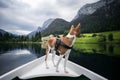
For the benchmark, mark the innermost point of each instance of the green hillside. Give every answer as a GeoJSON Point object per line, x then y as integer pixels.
{"type": "Point", "coordinates": [90, 38]}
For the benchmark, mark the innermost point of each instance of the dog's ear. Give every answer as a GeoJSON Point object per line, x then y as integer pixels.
{"type": "Point", "coordinates": [78, 30]}
{"type": "Point", "coordinates": [78, 26]}
{"type": "Point", "coordinates": [72, 29]}
{"type": "Point", "coordinates": [72, 26]}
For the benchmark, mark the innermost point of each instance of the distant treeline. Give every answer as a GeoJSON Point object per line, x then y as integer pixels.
{"type": "Point", "coordinates": [21, 38]}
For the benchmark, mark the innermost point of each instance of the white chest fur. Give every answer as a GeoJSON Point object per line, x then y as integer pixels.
{"type": "Point", "coordinates": [71, 36]}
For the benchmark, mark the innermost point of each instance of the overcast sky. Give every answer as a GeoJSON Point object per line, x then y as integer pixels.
{"type": "Point", "coordinates": [23, 16]}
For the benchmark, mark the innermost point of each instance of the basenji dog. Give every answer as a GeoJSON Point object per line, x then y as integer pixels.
{"type": "Point", "coordinates": [64, 46]}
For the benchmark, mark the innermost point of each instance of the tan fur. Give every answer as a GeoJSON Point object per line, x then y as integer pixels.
{"type": "Point", "coordinates": [68, 41]}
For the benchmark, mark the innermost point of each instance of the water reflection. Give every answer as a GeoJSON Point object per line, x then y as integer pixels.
{"type": "Point", "coordinates": [33, 48]}
{"type": "Point", "coordinates": [111, 49]}
{"type": "Point", "coordinates": [106, 49]}
{"type": "Point", "coordinates": [13, 55]}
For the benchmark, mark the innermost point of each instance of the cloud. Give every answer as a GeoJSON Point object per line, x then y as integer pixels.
{"type": "Point", "coordinates": [22, 32]}
{"type": "Point", "coordinates": [24, 16]}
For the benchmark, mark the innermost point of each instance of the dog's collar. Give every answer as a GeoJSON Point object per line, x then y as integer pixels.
{"type": "Point", "coordinates": [70, 36]}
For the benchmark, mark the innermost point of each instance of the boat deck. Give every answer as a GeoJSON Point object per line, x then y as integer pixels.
{"type": "Point", "coordinates": [41, 70]}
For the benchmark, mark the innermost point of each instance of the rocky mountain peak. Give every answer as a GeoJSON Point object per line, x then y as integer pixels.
{"type": "Point", "coordinates": [91, 8]}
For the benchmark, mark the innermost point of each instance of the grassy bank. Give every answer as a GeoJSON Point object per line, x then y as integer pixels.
{"type": "Point", "coordinates": [97, 37]}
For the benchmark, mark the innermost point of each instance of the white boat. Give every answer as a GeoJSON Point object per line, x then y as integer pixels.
{"type": "Point", "coordinates": [37, 68]}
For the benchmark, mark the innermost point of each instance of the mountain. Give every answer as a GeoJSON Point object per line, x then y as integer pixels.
{"type": "Point", "coordinates": [4, 32]}
{"type": "Point", "coordinates": [89, 9]}
{"type": "Point", "coordinates": [56, 27]}
{"type": "Point", "coordinates": [44, 26]}
{"type": "Point", "coordinates": [98, 17]}
{"type": "Point", "coordinates": [5, 36]}
{"type": "Point", "coordinates": [47, 23]}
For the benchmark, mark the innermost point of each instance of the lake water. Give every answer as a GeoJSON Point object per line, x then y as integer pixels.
{"type": "Point", "coordinates": [102, 59]}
